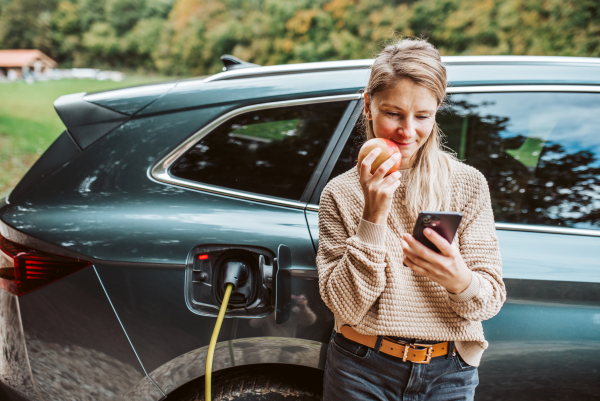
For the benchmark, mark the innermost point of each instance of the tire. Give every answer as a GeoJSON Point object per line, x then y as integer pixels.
{"type": "Point", "coordinates": [262, 385]}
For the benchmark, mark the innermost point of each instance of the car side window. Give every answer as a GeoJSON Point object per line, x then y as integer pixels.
{"type": "Point", "coordinates": [349, 156]}
{"type": "Point", "coordinates": [269, 152]}
{"type": "Point", "coordinates": [540, 153]}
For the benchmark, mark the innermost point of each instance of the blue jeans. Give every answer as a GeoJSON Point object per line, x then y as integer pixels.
{"type": "Point", "coordinates": [356, 372]}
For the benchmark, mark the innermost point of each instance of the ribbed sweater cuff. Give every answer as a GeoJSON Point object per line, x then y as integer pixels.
{"type": "Point", "coordinates": [468, 294]}
{"type": "Point", "coordinates": [371, 233]}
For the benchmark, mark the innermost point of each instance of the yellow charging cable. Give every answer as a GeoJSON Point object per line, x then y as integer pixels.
{"type": "Point", "coordinates": [213, 343]}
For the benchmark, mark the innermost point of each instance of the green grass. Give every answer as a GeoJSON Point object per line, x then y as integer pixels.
{"type": "Point", "coordinates": [29, 123]}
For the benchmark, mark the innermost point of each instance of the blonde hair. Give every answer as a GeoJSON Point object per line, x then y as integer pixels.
{"type": "Point", "coordinates": [418, 60]}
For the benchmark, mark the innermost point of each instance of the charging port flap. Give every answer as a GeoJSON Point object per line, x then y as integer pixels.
{"type": "Point", "coordinates": [283, 284]}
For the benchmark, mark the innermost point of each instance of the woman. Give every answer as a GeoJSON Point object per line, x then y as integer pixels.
{"type": "Point", "coordinates": [407, 319]}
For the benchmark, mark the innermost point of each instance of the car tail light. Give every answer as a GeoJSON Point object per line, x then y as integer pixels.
{"type": "Point", "coordinates": [23, 269]}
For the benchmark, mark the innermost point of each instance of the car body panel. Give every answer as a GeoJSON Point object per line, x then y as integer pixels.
{"type": "Point", "coordinates": [153, 310]}
{"type": "Point", "coordinates": [542, 339]}
{"type": "Point", "coordinates": [15, 371]}
{"type": "Point", "coordinates": [76, 346]}
{"type": "Point", "coordinates": [144, 390]}
{"type": "Point", "coordinates": [60, 152]}
{"type": "Point", "coordinates": [541, 256]}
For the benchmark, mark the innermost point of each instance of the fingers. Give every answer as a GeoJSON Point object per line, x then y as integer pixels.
{"type": "Point", "coordinates": [411, 260]}
{"type": "Point", "coordinates": [365, 166]}
{"type": "Point", "coordinates": [392, 179]}
{"type": "Point", "coordinates": [415, 267]}
{"type": "Point", "coordinates": [386, 166]}
{"type": "Point", "coordinates": [443, 245]}
{"type": "Point", "coordinates": [414, 257]}
{"type": "Point", "coordinates": [419, 250]}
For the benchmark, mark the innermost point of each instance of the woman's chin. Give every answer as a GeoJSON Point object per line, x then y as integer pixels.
{"type": "Point", "coordinates": [406, 154]}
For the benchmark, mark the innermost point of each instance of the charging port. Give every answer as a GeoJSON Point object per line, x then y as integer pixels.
{"type": "Point", "coordinates": [248, 268]}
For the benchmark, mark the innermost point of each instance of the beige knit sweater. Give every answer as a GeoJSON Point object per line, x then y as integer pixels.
{"type": "Point", "coordinates": [363, 281]}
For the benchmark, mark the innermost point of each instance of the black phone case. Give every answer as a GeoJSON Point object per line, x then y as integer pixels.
{"type": "Point", "coordinates": [444, 223]}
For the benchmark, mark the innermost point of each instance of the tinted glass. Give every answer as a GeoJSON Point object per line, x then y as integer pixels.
{"type": "Point", "coordinates": [269, 152]}
{"type": "Point", "coordinates": [540, 153]}
{"type": "Point", "coordinates": [349, 156]}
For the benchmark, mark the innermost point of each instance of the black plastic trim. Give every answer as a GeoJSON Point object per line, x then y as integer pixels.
{"type": "Point", "coordinates": [87, 122]}
{"type": "Point", "coordinates": [314, 179]}
{"type": "Point", "coordinates": [316, 194]}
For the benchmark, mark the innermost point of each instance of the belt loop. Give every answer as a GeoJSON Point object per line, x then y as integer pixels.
{"type": "Point", "coordinates": [450, 349]}
{"type": "Point", "coordinates": [378, 344]}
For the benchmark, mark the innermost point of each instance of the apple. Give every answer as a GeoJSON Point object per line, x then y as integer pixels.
{"type": "Point", "coordinates": [388, 148]}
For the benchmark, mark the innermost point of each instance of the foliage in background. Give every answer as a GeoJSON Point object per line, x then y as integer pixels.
{"type": "Point", "coordinates": [186, 37]}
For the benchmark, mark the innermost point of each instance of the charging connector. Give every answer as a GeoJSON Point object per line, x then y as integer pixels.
{"type": "Point", "coordinates": [235, 275]}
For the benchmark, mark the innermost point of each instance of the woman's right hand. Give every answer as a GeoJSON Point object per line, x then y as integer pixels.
{"type": "Point", "coordinates": [378, 189]}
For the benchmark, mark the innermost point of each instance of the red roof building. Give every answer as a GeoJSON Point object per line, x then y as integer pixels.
{"type": "Point", "coordinates": [24, 60]}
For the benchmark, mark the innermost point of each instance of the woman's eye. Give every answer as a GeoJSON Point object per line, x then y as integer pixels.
{"type": "Point", "coordinates": [393, 114]}
{"type": "Point", "coordinates": [422, 117]}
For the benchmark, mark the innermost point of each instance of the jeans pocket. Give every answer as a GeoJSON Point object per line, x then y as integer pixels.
{"type": "Point", "coordinates": [462, 365]}
{"type": "Point", "coordinates": [349, 347]}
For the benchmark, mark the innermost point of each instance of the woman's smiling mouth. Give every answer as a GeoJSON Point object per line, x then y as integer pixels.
{"type": "Point", "coordinates": [403, 144]}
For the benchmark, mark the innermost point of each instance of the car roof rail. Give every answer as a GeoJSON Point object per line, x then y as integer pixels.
{"type": "Point", "coordinates": [233, 63]}
{"type": "Point", "coordinates": [322, 66]}
{"type": "Point", "coordinates": [283, 69]}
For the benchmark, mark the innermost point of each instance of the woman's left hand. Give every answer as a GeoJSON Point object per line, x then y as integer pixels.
{"type": "Point", "coordinates": [446, 268]}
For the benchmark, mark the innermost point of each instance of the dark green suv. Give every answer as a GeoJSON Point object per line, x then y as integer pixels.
{"type": "Point", "coordinates": [114, 243]}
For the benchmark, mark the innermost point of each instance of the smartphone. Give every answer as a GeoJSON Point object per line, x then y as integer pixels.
{"type": "Point", "coordinates": [444, 223]}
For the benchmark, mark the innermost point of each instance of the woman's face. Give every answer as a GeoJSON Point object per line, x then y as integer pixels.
{"type": "Point", "coordinates": [404, 114]}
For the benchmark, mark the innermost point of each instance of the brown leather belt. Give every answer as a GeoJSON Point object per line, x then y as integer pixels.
{"type": "Point", "coordinates": [415, 353]}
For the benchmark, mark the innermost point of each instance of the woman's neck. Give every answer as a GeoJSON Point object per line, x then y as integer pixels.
{"type": "Point", "coordinates": [405, 174]}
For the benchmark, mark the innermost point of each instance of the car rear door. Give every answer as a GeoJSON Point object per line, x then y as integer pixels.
{"type": "Point", "coordinates": [540, 152]}
{"type": "Point", "coordinates": [240, 184]}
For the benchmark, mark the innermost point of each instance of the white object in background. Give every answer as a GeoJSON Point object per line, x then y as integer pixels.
{"type": "Point", "coordinates": [84, 73]}
{"type": "Point", "coordinates": [12, 75]}
{"type": "Point", "coordinates": [114, 76]}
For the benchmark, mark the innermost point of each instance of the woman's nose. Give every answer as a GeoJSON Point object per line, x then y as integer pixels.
{"type": "Point", "coordinates": [407, 128]}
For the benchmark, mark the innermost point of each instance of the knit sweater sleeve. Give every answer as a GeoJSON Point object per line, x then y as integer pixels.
{"type": "Point", "coordinates": [480, 250]}
{"type": "Point", "coordinates": [351, 267]}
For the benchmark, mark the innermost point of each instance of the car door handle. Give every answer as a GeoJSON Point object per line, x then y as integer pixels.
{"type": "Point", "coordinates": [283, 284]}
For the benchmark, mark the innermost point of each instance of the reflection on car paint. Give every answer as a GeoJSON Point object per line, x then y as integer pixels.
{"type": "Point", "coordinates": [14, 364]}
{"type": "Point", "coordinates": [75, 344]}
{"type": "Point", "coordinates": [246, 351]}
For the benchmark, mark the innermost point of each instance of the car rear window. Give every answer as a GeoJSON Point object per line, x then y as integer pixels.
{"type": "Point", "coordinates": [540, 153]}
{"type": "Point", "coordinates": [269, 152]}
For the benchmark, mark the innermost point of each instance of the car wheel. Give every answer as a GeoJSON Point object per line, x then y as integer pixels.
{"type": "Point", "coordinates": [263, 385]}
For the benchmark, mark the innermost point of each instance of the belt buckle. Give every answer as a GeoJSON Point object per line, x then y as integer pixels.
{"type": "Point", "coordinates": [428, 354]}
{"type": "Point", "coordinates": [406, 345]}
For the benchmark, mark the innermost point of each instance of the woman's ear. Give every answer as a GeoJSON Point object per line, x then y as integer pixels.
{"type": "Point", "coordinates": [367, 105]}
